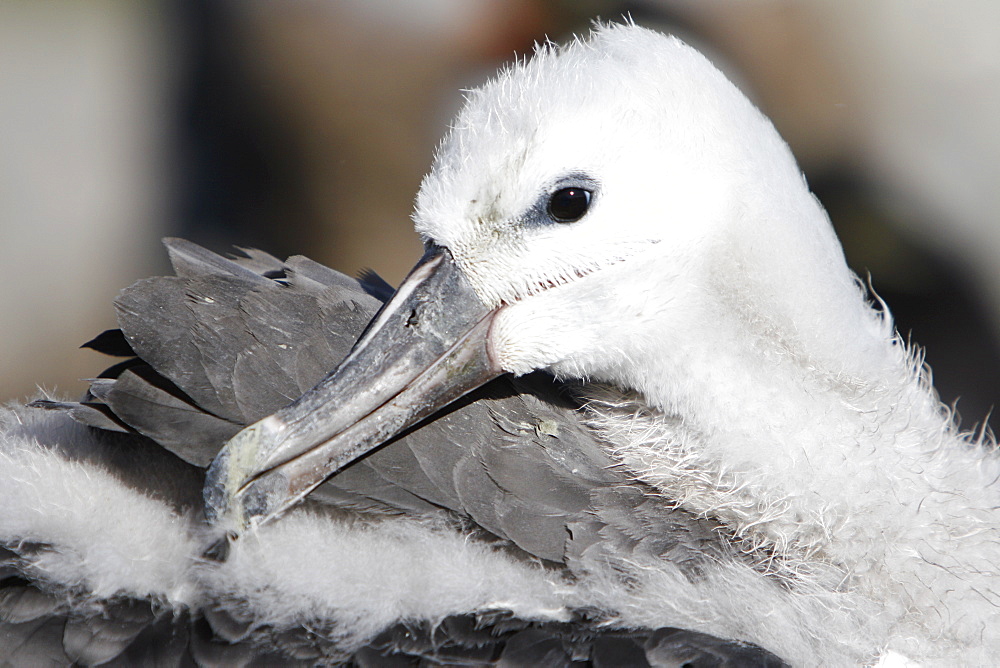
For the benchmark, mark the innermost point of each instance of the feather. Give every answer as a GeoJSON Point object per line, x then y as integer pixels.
{"type": "Point", "coordinates": [513, 461]}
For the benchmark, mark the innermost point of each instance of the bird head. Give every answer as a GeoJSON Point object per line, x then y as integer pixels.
{"type": "Point", "coordinates": [587, 201]}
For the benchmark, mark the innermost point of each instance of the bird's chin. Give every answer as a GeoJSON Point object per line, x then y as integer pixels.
{"type": "Point", "coordinates": [522, 339]}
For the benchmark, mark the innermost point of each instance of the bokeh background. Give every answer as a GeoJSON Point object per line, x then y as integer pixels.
{"type": "Point", "coordinates": [304, 126]}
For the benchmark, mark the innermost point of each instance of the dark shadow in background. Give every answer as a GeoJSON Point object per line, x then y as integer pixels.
{"type": "Point", "coordinates": [930, 296]}
{"type": "Point", "coordinates": [239, 174]}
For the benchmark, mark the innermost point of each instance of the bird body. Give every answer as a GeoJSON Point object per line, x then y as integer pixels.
{"type": "Point", "coordinates": [770, 395]}
{"type": "Point", "coordinates": [458, 541]}
{"type": "Point", "coordinates": [738, 443]}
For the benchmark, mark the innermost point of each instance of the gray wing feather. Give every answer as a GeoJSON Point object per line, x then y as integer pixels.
{"type": "Point", "coordinates": [160, 328]}
{"type": "Point", "coordinates": [513, 459]}
{"type": "Point", "coordinates": [191, 260]}
{"type": "Point", "coordinates": [110, 342]}
{"type": "Point", "coordinates": [92, 414]}
{"type": "Point", "coordinates": [174, 423]}
{"type": "Point", "coordinates": [94, 640]}
{"type": "Point", "coordinates": [230, 340]}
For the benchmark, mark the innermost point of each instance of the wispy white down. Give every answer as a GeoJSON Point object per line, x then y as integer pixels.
{"type": "Point", "coordinates": [110, 539]}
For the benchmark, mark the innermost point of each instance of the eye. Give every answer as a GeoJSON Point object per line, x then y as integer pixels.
{"type": "Point", "coordinates": [568, 205]}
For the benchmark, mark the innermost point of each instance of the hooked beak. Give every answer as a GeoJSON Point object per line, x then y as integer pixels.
{"type": "Point", "coordinates": [428, 346]}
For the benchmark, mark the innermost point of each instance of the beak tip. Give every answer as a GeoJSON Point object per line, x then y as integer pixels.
{"type": "Point", "coordinates": [240, 490]}
{"type": "Point", "coordinates": [235, 489]}
{"type": "Point", "coordinates": [428, 346]}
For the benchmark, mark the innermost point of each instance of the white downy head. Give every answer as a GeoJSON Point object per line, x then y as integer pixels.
{"type": "Point", "coordinates": [698, 215]}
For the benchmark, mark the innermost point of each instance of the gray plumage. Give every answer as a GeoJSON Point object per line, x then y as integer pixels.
{"type": "Point", "coordinates": [226, 342]}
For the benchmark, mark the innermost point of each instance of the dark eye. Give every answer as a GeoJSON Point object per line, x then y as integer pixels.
{"type": "Point", "coordinates": [568, 205]}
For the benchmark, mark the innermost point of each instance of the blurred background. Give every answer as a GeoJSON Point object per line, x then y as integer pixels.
{"type": "Point", "coordinates": [304, 126]}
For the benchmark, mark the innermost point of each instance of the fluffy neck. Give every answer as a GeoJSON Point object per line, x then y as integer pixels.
{"type": "Point", "coordinates": [807, 428]}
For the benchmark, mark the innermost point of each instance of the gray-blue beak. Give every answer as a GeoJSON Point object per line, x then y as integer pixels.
{"type": "Point", "coordinates": [428, 346]}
